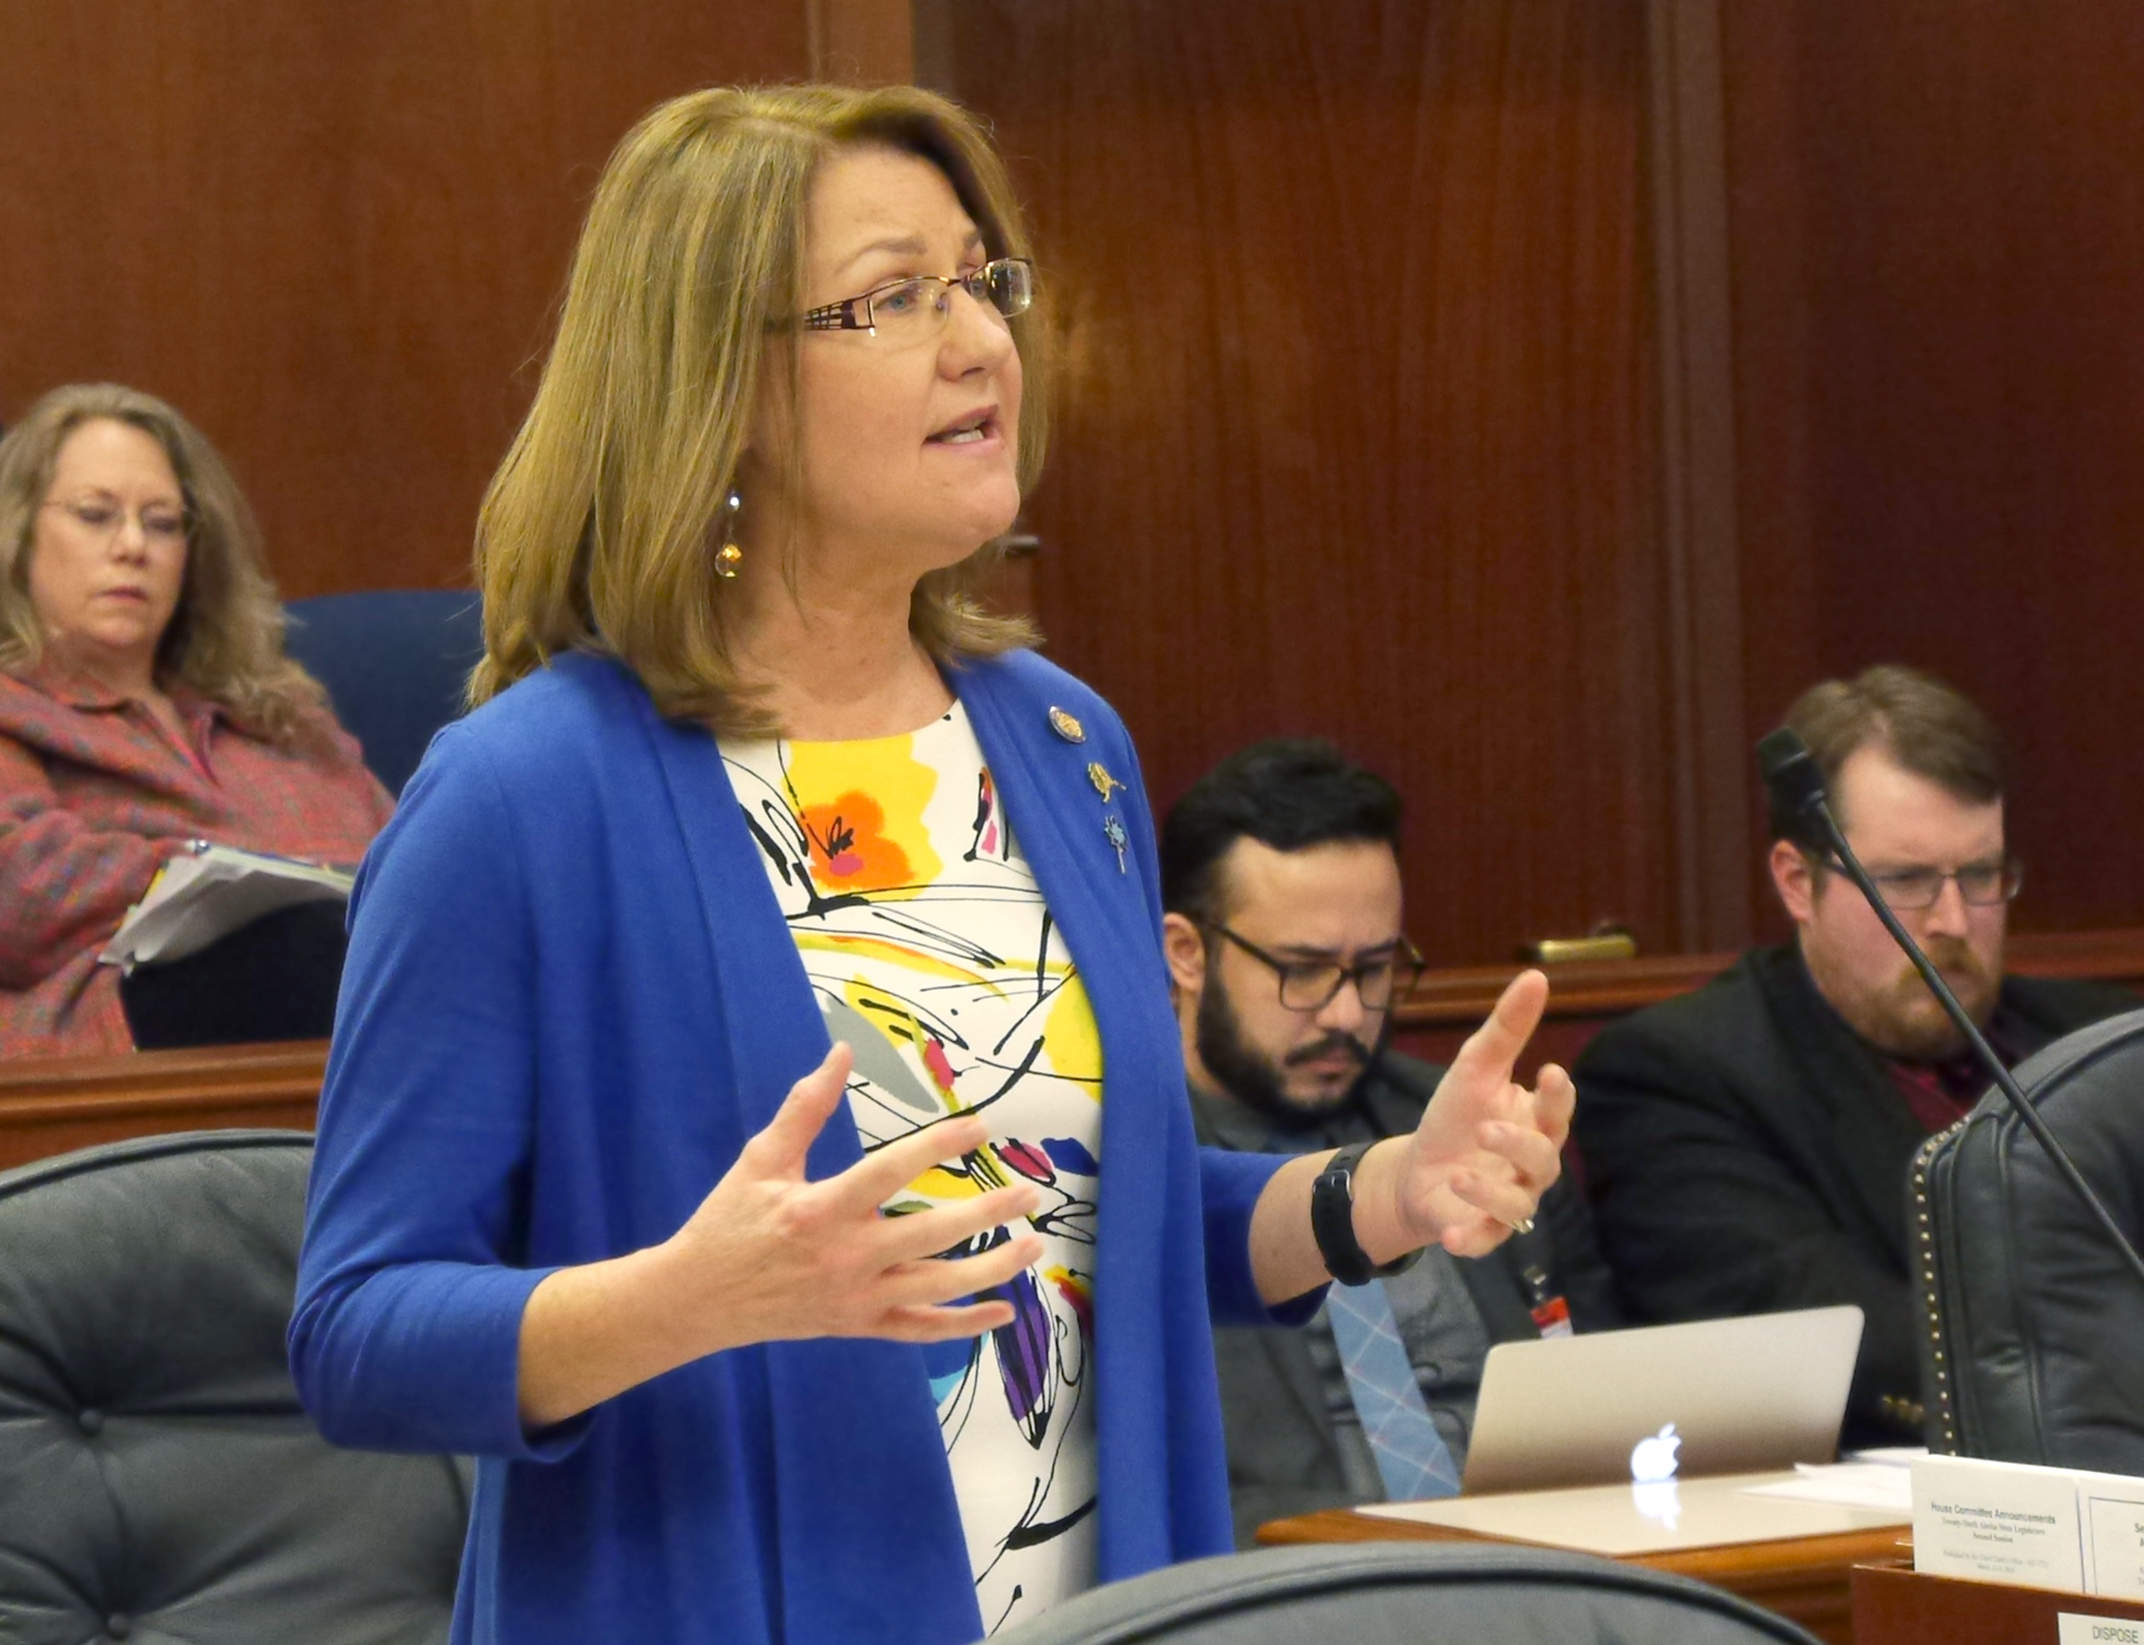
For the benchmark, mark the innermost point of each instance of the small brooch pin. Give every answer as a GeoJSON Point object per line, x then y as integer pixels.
{"type": "Point", "coordinates": [1113, 831]}
{"type": "Point", "coordinates": [1067, 727]}
{"type": "Point", "coordinates": [1104, 784]}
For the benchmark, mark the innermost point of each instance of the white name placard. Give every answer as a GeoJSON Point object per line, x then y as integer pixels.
{"type": "Point", "coordinates": [1997, 1521]}
{"type": "Point", "coordinates": [2072, 1629]}
{"type": "Point", "coordinates": [2113, 1507]}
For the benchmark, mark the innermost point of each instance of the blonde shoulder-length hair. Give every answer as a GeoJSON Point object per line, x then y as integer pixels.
{"type": "Point", "coordinates": [225, 639]}
{"type": "Point", "coordinates": [599, 528]}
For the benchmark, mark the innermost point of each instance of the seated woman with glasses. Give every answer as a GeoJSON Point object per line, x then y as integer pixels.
{"type": "Point", "coordinates": [756, 1128]}
{"type": "Point", "coordinates": [146, 703]}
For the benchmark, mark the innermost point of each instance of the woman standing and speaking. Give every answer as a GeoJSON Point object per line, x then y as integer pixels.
{"type": "Point", "coordinates": [759, 1340]}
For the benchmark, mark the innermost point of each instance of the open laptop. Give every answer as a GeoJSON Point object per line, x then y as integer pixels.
{"type": "Point", "coordinates": [1717, 1396]}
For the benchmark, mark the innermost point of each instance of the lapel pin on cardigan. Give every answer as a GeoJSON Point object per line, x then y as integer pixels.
{"type": "Point", "coordinates": [1153, 1346]}
{"type": "Point", "coordinates": [1113, 831]}
{"type": "Point", "coordinates": [1067, 727]}
{"type": "Point", "coordinates": [1112, 825]}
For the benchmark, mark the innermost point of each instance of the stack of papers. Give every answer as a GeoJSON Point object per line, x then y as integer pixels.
{"type": "Point", "coordinates": [211, 891]}
{"type": "Point", "coordinates": [1866, 1479]}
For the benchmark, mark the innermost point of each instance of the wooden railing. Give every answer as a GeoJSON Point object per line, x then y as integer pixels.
{"type": "Point", "coordinates": [1602, 989]}
{"type": "Point", "coordinates": [1583, 996]}
{"type": "Point", "coordinates": [51, 1105]}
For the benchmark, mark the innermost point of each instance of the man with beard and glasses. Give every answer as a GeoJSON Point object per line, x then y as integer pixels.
{"type": "Point", "coordinates": [1746, 1146]}
{"type": "Point", "coordinates": [1281, 881]}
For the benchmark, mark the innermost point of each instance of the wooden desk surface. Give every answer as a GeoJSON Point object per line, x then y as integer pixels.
{"type": "Point", "coordinates": [1807, 1580]}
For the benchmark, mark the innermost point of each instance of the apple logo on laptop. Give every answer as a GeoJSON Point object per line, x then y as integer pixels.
{"type": "Point", "coordinates": [1652, 1459]}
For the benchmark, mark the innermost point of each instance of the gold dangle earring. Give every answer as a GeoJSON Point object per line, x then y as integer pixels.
{"type": "Point", "coordinates": [729, 556]}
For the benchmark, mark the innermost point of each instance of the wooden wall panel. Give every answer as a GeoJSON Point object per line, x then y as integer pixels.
{"type": "Point", "coordinates": [334, 234]}
{"type": "Point", "coordinates": [1356, 430]}
{"type": "Point", "coordinates": [1694, 344]}
{"type": "Point", "coordinates": [1937, 231]}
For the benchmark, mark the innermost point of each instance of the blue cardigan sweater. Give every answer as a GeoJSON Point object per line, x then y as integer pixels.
{"type": "Point", "coordinates": [570, 998]}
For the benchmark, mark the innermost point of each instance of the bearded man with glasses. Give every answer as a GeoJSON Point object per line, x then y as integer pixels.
{"type": "Point", "coordinates": [1280, 877]}
{"type": "Point", "coordinates": [1746, 1146]}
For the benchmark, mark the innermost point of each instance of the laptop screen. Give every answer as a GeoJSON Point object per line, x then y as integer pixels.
{"type": "Point", "coordinates": [1718, 1396]}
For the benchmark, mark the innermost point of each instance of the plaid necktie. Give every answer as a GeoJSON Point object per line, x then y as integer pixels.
{"type": "Point", "coordinates": [1412, 1458]}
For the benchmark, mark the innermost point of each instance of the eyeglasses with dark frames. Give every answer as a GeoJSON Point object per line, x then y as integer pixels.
{"type": "Point", "coordinates": [916, 306]}
{"type": "Point", "coordinates": [1311, 985]}
{"type": "Point", "coordinates": [1909, 890]}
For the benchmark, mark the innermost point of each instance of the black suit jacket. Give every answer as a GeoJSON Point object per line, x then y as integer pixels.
{"type": "Point", "coordinates": [1746, 1152]}
{"type": "Point", "coordinates": [1283, 1455]}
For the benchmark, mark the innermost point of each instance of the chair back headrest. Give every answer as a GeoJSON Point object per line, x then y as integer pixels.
{"type": "Point", "coordinates": [156, 1470]}
{"type": "Point", "coordinates": [394, 662]}
{"type": "Point", "coordinates": [2032, 1326]}
{"type": "Point", "coordinates": [1398, 1593]}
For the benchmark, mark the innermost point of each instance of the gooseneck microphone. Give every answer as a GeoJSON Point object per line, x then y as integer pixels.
{"type": "Point", "coordinates": [1796, 787]}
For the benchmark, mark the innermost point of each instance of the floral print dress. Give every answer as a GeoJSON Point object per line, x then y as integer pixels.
{"type": "Point", "coordinates": [933, 954]}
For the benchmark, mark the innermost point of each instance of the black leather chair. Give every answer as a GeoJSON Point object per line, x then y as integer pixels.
{"type": "Point", "coordinates": [158, 1480]}
{"type": "Point", "coordinates": [2032, 1347]}
{"type": "Point", "coordinates": [394, 662]}
{"type": "Point", "coordinates": [1397, 1593]}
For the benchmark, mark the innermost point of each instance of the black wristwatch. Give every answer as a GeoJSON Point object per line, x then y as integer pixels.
{"type": "Point", "coordinates": [1332, 1220]}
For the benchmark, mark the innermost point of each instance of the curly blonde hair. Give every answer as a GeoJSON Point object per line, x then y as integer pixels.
{"type": "Point", "coordinates": [596, 531]}
{"type": "Point", "coordinates": [225, 639]}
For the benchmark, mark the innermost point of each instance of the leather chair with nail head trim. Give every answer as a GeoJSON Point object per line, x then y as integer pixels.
{"type": "Point", "coordinates": [157, 1477]}
{"type": "Point", "coordinates": [1399, 1593]}
{"type": "Point", "coordinates": [2032, 1338]}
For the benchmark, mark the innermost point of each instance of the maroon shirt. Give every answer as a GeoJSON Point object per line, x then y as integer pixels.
{"type": "Point", "coordinates": [95, 796]}
{"type": "Point", "coordinates": [1943, 1093]}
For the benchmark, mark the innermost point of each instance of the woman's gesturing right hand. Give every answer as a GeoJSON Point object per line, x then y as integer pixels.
{"type": "Point", "coordinates": [772, 1256]}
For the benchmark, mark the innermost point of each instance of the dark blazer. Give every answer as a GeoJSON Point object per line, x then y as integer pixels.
{"type": "Point", "coordinates": [1283, 1455]}
{"type": "Point", "coordinates": [1746, 1152]}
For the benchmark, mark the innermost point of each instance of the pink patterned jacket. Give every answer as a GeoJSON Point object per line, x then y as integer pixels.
{"type": "Point", "coordinates": [95, 795]}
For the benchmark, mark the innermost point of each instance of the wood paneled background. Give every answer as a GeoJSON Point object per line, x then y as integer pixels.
{"type": "Point", "coordinates": [1355, 429]}
{"type": "Point", "coordinates": [1367, 428]}
{"type": "Point", "coordinates": [332, 235]}
{"type": "Point", "coordinates": [1937, 231]}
